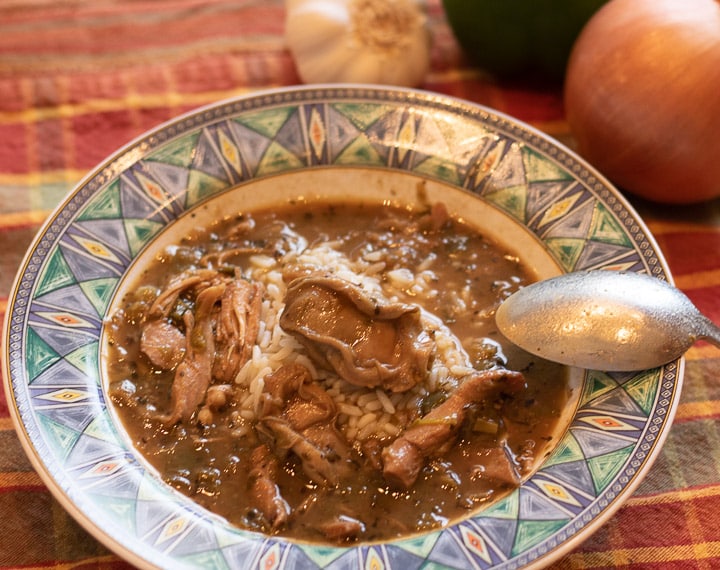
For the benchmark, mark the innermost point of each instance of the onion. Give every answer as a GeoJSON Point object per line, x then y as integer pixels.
{"type": "Point", "coordinates": [642, 97]}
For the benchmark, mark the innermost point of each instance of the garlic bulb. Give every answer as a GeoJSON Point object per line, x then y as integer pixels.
{"type": "Point", "coordinates": [358, 41]}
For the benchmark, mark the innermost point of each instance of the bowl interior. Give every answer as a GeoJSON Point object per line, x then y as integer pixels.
{"type": "Point", "coordinates": [334, 186]}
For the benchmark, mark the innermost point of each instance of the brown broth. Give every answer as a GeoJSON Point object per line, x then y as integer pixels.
{"type": "Point", "coordinates": [211, 463]}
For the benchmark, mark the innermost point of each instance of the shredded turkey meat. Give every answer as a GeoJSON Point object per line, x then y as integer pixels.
{"type": "Point", "coordinates": [237, 327]}
{"type": "Point", "coordinates": [264, 491]}
{"type": "Point", "coordinates": [194, 373]}
{"type": "Point", "coordinates": [216, 339]}
{"type": "Point", "coordinates": [300, 416]}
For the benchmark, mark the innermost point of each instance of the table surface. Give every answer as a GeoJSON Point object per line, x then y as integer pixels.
{"type": "Point", "coordinates": [79, 79]}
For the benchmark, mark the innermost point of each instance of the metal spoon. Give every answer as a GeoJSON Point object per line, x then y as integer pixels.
{"type": "Point", "coordinates": [604, 320]}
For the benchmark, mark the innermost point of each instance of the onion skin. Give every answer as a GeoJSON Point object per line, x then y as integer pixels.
{"type": "Point", "coordinates": [642, 97]}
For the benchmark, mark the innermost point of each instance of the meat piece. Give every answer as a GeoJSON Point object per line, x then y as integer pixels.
{"type": "Point", "coordinates": [237, 327]}
{"type": "Point", "coordinates": [301, 418]}
{"type": "Point", "coordinates": [162, 306]}
{"type": "Point", "coordinates": [281, 384]}
{"type": "Point", "coordinates": [271, 238]}
{"type": "Point", "coordinates": [371, 450]}
{"type": "Point", "coordinates": [436, 218]}
{"type": "Point", "coordinates": [219, 335]}
{"type": "Point", "coordinates": [404, 458]}
{"type": "Point", "coordinates": [402, 462]}
{"type": "Point", "coordinates": [292, 271]}
{"type": "Point", "coordinates": [325, 459]}
{"type": "Point", "coordinates": [163, 344]}
{"type": "Point", "coordinates": [263, 492]}
{"type": "Point", "coordinates": [342, 528]}
{"type": "Point", "coordinates": [291, 392]}
{"type": "Point", "coordinates": [498, 467]}
{"type": "Point", "coordinates": [367, 341]}
{"type": "Point", "coordinates": [194, 374]}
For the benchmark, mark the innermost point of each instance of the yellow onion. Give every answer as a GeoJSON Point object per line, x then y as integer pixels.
{"type": "Point", "coordinates": [642, 97]}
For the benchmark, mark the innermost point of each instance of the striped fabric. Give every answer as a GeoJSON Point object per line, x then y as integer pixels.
{"type": "Point", "coordinates": [81, 78]}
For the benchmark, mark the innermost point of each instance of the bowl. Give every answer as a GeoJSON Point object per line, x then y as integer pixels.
{"type": "Point", "coordinates": [523, 189]}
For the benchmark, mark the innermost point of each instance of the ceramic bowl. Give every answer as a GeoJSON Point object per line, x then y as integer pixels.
{"type": "Point", "coordinates": [521, 187]}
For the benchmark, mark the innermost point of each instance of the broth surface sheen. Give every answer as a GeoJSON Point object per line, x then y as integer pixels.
{"type": "Point", "coordinates": [332, 373]}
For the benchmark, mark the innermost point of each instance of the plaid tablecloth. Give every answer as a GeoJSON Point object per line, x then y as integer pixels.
{"type": "Point", "coordinates": [80, 78]}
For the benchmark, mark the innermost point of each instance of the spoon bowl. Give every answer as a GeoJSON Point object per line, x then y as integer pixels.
{"type": "Point", "coordinates": [604, 320]}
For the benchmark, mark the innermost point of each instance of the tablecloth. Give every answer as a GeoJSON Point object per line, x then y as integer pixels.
{"type": "Point", "coordinates": [81, 78]}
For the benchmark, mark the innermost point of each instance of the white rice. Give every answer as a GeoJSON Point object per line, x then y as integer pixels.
{"type": "Point", "coordinates": [362, 412]}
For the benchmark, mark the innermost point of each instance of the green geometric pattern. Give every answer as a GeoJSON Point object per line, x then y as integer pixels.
{"type": "Point", "coordinates": [75, 267]}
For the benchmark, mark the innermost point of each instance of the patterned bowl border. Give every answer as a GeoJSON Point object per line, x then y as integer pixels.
{"type": "Point", "coordinates": [66, 282]}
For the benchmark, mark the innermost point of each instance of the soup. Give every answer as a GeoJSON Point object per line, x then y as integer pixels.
{"type": "Point", "coordinates": [332, 373]}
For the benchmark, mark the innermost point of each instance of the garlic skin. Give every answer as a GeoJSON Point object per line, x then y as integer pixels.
{"type": "Point", "coordinates": [359, 41]}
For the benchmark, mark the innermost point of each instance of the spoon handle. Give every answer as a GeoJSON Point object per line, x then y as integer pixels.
{"type": "Point", "coordinates": [709, 331]}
